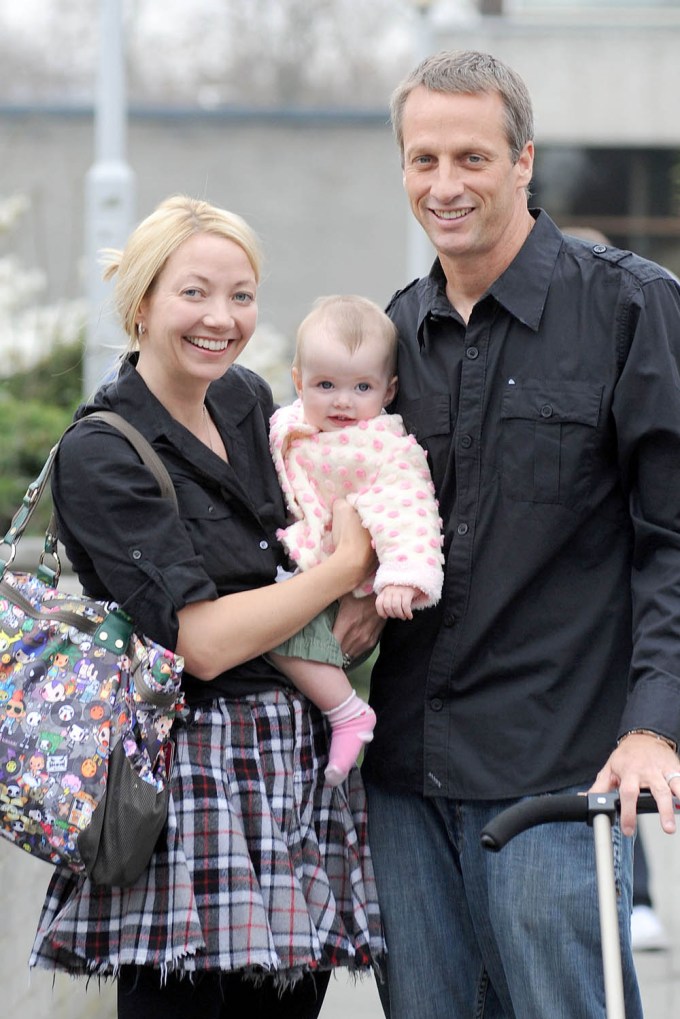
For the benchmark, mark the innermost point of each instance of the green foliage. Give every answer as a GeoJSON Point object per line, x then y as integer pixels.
{"type": "Point", "coordinates": [35, 408]}
{"type": "Point", "coordinates": [57, 381]}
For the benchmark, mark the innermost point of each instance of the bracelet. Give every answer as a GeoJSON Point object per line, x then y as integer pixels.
{"type": "Point", "coordinates": [649, 732]}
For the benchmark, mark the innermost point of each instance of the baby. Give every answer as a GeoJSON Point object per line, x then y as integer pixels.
{"type": "Point", "coordinates": [336, 441]}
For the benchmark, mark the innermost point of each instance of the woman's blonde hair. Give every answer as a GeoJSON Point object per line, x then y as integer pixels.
{"type": "Point", "coordinates": [156, 238]}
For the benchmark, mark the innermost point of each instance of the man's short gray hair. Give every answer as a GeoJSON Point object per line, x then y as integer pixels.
{"type": "Point", "coordinates": [467, 72]}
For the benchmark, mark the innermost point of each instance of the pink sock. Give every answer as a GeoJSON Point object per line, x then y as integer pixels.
{"type": "Point", "coordinates": [352, 724]}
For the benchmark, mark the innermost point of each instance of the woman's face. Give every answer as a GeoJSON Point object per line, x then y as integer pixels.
{"type": "Point", "coordinates": [200, 313]}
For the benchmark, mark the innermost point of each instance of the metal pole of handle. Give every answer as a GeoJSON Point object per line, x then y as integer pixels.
{"type": "Point", "coordinates": [609, 917]}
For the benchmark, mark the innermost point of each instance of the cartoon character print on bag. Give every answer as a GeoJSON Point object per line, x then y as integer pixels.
{"type": "Point", "coordinates": [64, 701]}
{"type": "Point", "coordinates": [55, 756]}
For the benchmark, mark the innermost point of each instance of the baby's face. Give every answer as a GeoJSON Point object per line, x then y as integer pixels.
{"type": "Point", "coordinates": [339, 388]}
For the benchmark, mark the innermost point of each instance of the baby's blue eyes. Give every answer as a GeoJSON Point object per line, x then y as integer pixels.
{"type": "Point", "coordinates": [362, 387]}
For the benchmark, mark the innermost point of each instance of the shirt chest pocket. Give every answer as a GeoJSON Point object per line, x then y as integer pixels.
{"type": "Point", "coordinates": [195, 504]}
{"type": "Point", "coordinates": [549, 436]}
{"type": "Point", "coordinates": [208, 520]}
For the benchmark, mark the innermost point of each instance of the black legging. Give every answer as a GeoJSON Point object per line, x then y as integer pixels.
{"type": "Point", "coordinates": [215, 996]}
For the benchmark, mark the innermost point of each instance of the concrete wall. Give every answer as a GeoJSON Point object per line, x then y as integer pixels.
{"type": "Point", "coordinates": [324, 196]}
{"type": "Point", "coordinates": [596, 78]}
{"type": "Point", "coordinates": [325, 192]}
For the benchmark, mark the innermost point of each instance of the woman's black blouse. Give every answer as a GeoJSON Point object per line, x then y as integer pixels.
{"type": "Point", "coordinates": [128, 544]}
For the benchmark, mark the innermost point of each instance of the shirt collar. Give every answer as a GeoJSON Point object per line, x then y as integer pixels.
{"type": "Point", "coordinates": [229, 398]}
{"type": "Point", "coordinates": [522, 289]}
{"type": "Point", "coordinates": [130, 397]}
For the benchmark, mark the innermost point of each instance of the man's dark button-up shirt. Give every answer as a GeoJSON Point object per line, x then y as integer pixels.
{"type": "Point", "coordinates": [552, 426]}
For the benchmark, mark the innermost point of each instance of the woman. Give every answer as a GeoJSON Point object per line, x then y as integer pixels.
{"type": "Point", "coordinates": [264, 883]}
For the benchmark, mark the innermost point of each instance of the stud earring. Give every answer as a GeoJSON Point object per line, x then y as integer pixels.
{"type": "Point", "coordinates": [141, 328]}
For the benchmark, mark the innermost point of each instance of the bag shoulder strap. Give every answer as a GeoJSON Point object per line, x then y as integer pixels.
{"type": "Point", "coordinates": [147, 455]}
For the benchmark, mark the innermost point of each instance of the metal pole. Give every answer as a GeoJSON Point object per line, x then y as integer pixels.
{"type": "Point", "coordinates": [109, 197]}
{"type": "Point", "coordinates": [609, 919]}
{"type": "Point", "coordinates": [420, 253]}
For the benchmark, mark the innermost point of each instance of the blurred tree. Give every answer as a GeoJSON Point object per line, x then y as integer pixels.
{"type": "Point", "coordinates": [35, 408]}
{"type": "Point", "coordinates": [41, 350]}
{"type": "Point", "coordinates": [213, 52]}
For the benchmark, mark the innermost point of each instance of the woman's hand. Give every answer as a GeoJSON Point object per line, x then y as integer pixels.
{"type": "Point", "coordinates": [218, 635]}
{"type": "Point", "coordinates": [352, 542]}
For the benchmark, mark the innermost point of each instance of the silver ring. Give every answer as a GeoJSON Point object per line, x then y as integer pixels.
{"type": "Point", "coordinates": [671, 775]}
{"type": "Point", "coordinates": [347, 661]}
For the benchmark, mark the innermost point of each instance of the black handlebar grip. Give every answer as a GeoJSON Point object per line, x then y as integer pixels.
{"type": "Point", "coordinates": [529, 813]}
{"type": "Point", "coordinates": [560, 807]}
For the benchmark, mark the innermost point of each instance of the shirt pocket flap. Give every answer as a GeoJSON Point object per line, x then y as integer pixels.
{"type": "Point", "coordinates": [197, 504]}
{"type": "Point", "coordinates": [553, 402]}
{"type": "Point", "coordinates": [425, 418]}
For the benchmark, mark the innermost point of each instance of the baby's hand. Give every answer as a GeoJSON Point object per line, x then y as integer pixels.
{"type": "Point", "coordinates": [394, 602]}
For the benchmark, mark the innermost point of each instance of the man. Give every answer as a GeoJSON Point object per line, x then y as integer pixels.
{"type": "Point", "coordinates": [542, 375]}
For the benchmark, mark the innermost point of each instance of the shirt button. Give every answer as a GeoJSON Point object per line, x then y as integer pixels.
{"type": "Point", "coordinates": [546, 411]}
{"type": "Point", "coordinates": [449, 619]}
{"type": "Point", "coordinates": [264, 544]}
{"type": "Point", "coordinates": [462, 528]}
{"type": "Point", "coordinates": [436, 703]}
{"type": "Point", "coordinates": [211, 509]}
{"type": "Point", "coordinates": [466, 441]}
{"type": "Point", "coordinates": [472, 353]}
{"type": "Point", "coordinates": [136, 554]}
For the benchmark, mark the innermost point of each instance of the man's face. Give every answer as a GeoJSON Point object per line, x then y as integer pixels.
{"type": "Point", "coordinates": [462, 185]}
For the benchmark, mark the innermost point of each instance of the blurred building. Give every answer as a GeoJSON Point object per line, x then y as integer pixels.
{"type": "Point", "coordinates": [604, 76]}
{"type": "Point", "coordinates": [323, 187]}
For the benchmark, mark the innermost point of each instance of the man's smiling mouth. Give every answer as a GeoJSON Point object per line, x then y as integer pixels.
{"type": "Point", "coordinates": [450, 213]}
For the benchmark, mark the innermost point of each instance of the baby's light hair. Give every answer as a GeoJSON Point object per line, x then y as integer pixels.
{"type": "Point", "coordinates": [355, 320]}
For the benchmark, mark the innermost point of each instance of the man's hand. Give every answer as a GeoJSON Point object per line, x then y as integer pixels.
{"type": "Point", "coordinates": [641, 761]}
{"type": "Point", "coordinates": [357, 626]}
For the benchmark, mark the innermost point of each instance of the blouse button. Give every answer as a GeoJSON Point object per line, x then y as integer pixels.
{"type": "Point", "coordinates": [264, 544]}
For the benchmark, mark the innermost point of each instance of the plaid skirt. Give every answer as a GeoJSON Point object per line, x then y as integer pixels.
{"type": "Point", "coordinates": [265, 869]}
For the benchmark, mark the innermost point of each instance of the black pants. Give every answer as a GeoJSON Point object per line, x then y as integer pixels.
{"type": "Point", "coordinates": [215, 996]}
